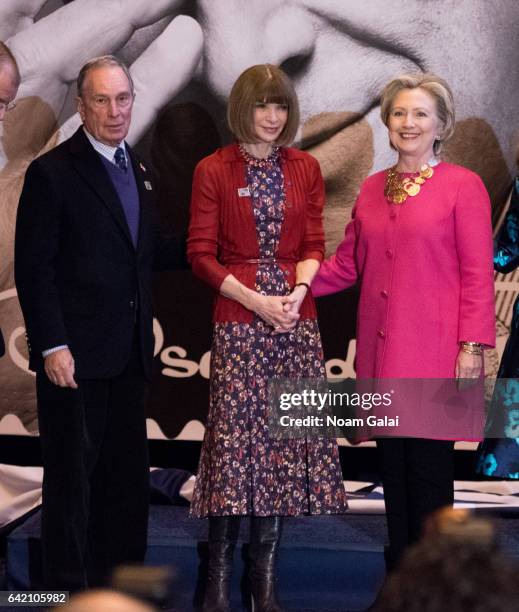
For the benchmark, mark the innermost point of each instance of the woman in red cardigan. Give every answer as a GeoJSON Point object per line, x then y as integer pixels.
{"type": "Point", "coordinates": [256, 237]}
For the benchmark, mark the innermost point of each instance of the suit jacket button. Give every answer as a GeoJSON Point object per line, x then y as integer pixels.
{"type": "Point", "coordinates": [132, 304]}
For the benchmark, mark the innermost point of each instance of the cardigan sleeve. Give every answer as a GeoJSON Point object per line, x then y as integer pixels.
{"type": "Point", "coordinates": [339, 271]}
{"type": "Point", "coordinates": [506, 252]}
{"type": "Point", "coordinates": [313, 241]}
{"type": "Point", "coordinates": [473, 234]}
{"type": "Point", "coordinates": [202, 244]}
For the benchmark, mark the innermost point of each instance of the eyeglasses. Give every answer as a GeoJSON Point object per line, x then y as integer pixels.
{"type": "Point", "coordinates": [5, 107]}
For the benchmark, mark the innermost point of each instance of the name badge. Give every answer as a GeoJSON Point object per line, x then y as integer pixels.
{"type": "Point", "coordinates": [243, 192]}
{"type": "Point", "coordinates": [148, 186]}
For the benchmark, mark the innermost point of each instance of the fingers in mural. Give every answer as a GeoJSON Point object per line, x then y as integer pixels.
{"type": "Point", "coordinates": [175, 53]}
{"type": "Point", "coordinates": [85, 29]}
{"type": "Point", "coordinates": [163, 70]}
{"type": "Point", "coordinates": [16, 15]}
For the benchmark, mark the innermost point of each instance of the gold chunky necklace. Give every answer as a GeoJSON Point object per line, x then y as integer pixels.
{"type": "Point", "coordinates": [397, 189]}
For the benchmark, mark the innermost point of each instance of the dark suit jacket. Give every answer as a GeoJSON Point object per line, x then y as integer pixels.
{"type": "Point", "coordinates": [80, 280]}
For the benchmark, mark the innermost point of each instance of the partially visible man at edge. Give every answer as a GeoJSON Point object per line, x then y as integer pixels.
{"type": "Point", "coordinates": [9, 83]}
{"type": "Point", "coordinates": [86, 243]}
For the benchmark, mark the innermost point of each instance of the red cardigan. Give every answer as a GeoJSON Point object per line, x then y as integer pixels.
{"type": "Point", "coordinates": [222, 230]}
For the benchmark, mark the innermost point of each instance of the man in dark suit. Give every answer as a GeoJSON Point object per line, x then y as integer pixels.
{"type": "Point", "coordinates": [9, 83]}
{"type": "Point", "coordinates": [86, 243]}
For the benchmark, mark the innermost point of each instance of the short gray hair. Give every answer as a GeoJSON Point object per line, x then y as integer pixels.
{"type": "Point", "coordinates": [7, 59]}
{"type": "Point", "coordinates": [433, 85]}
{"type": "Point", "coordinates": [100, 62]}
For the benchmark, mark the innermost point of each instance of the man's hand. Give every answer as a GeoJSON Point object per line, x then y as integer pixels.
{"type": "Point", "coordinates": [59, 367]}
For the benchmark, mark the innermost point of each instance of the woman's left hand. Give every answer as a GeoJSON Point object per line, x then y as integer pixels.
{"type": "Point", "coordinates": [468, 365]}
{"type": "Point", "coordinates": [292, 303]}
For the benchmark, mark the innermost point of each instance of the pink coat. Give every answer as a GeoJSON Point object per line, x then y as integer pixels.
{"type": "Point", "coordinates": [426, 275]}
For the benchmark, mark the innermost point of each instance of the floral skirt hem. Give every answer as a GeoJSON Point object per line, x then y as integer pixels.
{"type": "Point", "coordinates": [242, 471]}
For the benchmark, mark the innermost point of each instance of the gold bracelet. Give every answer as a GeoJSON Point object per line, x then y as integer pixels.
{"type": "Point", "coordinates": [471, 352]}
{"type": "Point", "coordinates": [472, 348]}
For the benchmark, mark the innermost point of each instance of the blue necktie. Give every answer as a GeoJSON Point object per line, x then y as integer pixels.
{"type": "Point", "coordinates": [120, 159]}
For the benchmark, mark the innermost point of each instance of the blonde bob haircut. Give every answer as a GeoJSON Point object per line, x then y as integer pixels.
{"type": "Point", "coordinates": [263, 83]}
{"type": "Point", "coordinates": [433, 85]}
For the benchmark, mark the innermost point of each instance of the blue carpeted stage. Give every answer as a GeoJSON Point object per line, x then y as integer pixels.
{"type": "Point", "coordinates": [326, 563]}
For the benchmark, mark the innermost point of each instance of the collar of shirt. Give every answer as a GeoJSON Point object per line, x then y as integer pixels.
{"type": "Point", "coordinates": [105, 150]}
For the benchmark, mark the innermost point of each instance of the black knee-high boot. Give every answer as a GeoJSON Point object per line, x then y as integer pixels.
{"type": "Point", "coordinates": [264, 542]}
{"type": "Point", "coordinates": [223, 534]}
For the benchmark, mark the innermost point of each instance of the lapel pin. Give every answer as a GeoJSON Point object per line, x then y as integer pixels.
{"type": "Point", "coordinates": [148, 186]}
{"type": "Point", "coordinates": [142, 166]}
{"type": "Point", "coordinates": [243, 192]}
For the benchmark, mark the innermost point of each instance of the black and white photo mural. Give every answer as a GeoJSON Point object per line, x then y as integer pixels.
{"type": "Point", "coordinates": [184, 57]}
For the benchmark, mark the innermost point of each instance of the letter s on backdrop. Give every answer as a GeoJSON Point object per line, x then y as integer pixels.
{"type": "Point", "coordinates": [180, 368]}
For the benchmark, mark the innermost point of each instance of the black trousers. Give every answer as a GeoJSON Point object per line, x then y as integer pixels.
{"type": "Point", "coordinates": [418, 476]}
{"type": "Point", "coordinates": [96, 476]}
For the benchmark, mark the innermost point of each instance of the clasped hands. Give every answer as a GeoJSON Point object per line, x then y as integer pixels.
{"type": "Point", "coordinates": [282, 312]}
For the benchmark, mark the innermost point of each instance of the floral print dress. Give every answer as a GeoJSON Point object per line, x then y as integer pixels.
{"type": "Point", "coordinates": [242, 470]}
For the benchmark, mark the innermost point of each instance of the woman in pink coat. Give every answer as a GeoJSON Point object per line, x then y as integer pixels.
{"type": "Point", "coordinates": [420, 244]}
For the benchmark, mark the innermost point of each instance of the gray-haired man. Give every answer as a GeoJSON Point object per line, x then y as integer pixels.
{"type": "Point", "coordinates": [87, 241]}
